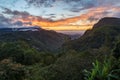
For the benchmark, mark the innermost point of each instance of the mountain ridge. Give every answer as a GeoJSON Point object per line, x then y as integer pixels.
{"type": "Point", "coordinates": [105, 32]}
{"type": "Point", "coordinates": [37, 38]}
{"type": "Point", "coordinates": [109, 21]}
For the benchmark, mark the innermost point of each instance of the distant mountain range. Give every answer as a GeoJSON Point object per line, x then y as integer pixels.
{"type": "Point", "coordinates": [36, 37]}
{"type": "Point", "coordinates": [35, 28]}
{"type": "Point", "coordinates": [95, 47]}
{"type": "Point", "coordinates": [99, 46]}
{"type": "Point", "coordinates": [72, 34]}
{"type": "Point", "coordinates": [104, 33]}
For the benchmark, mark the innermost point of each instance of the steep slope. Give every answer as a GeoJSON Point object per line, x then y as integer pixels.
{"type": "Point", "coordinates": [108, 21]}
{"type": "Point", "coordinates": [105, 33]}
{"type": "Point", "coordinates": [79, 54]}
{"type": "Point", "coordinates": [39, 39]}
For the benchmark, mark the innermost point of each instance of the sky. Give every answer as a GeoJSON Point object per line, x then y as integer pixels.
{"type": "Point", "coordinates": [58, 15]}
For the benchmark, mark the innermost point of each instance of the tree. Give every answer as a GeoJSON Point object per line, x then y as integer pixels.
{"type": "Point", "coordinates": [12, 71]}
{"type": "Point", "coordinates": [116, 51]}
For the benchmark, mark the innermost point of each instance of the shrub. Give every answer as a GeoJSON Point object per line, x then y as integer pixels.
{"type": "Point", "coordinates": [12, 71]}
{"type": "Point", "coordinates": [103, 71]}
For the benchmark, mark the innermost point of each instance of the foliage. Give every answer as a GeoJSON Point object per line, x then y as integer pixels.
{"type": "Point", "coordinates": [68, 66]}
{"type": "Point", "coordinates": [21, 52]}
{"type": "Point", "coordinates": [31, 50]}
{"type": "Point", "coordinates": [12, 71]}
{"type": "Point", "coordinates": [117, 50]}
{"type": "Point", "coordinates": [103, 71]}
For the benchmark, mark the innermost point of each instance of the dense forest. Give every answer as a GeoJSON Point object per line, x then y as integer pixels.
{"type": "Point", "coordinates": [47, 55]}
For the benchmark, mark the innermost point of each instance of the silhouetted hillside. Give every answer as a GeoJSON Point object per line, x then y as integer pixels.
{"type": "Point", "coordinates": [104, 33]}
{"type": "Point", "coordinates": [108, 21]}
{"type": "Point", "coordinates": [26, 55]}
{"type": "Point", "coordinates": [36, 38]}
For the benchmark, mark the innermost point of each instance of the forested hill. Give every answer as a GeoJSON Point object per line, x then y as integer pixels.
{"type": "Point", "coordinates": [36, 37]}
{"type": "Point", "coordinates": [105, 33]}
{"type": "Point", "coordinates": [26, 55]}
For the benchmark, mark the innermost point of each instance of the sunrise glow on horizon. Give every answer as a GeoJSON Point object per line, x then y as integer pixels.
{"type": "Point", "coordinates": [58, 15]}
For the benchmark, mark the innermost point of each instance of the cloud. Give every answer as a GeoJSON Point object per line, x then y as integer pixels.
{"type": "Point", "coordinates": [74, 5]}
{"type": "Point", "coordinates": [25, 17]}
{"type": "Point", "coordinates": [39, 3]}
{"type": "Point", "coordinates": [22, 15]}
{"type": "Point", "coordinates": [15, 12]}
{"type": "Point", "coordinates": [19, 23]}
{"type": "Point", "coordinates": [88, 18]}
{"type": "Point", "coordinates": [4, 22]}
{"type": "Point", "coordinates": [47, 3]}
{"type": "Point", "coordinates": [4, 19]}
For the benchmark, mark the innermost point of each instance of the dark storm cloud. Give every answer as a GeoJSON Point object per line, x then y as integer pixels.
{"type": "Point", "coordinates": [47, 3]}
{"type": "Point", "coordinates": [23, 15]}
{"type": "Point", "coordinates": [93, 14]}
{"type": "Point", "coordinates": [10, 22]}
{"type": "Point", "coordinates": [88, 4]}
{"type": "Point", "coordinates": [19, 23]}
{"type": "Point", "coordinates": [4, 19]}
{"type": "Point", "coordinates": [75, 5]}
{"type": "Point", "coordinates": [15, 12]}
{"type": "Point", "coordinates": [38, 3]}
{"type": "Point", "coordinates": [4, 22]}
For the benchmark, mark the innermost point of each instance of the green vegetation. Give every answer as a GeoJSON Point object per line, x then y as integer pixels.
{"type": "Point", "coordinates": [19, 60]}
{"type": "Point", "coordinates": [41, 40]}
{"type": "Point", "coordinates": [103, 71]}
{"type": "Point", "coordinates": [12, 71]}
{"type": "Point", "coordinates": [94, 56]}
{"type": "Point", "coordinates": [22, 53]}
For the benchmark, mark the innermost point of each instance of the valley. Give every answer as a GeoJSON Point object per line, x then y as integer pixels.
{"type": "Point", "coordinates": [27, 54]}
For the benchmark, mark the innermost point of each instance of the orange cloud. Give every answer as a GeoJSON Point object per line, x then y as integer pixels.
{"type": "Point", "coordinates": [84, 18]}
{"type": "Point", "coordinates": [48, 23]}
{"type": "Point", "coordinates": [70, 27]}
